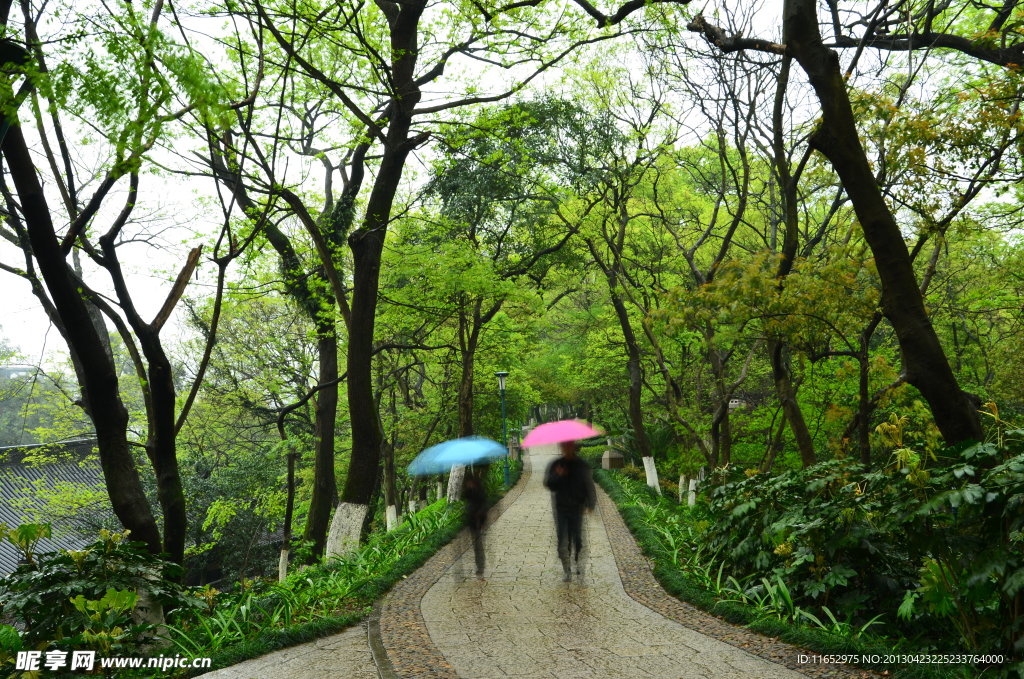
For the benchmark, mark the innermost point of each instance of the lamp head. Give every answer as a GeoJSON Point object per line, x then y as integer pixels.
{"type": "Point", "coordinates": [501, 375]}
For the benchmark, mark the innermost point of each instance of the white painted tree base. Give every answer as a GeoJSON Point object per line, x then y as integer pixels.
{"type": "Point", "coordinates": [440, 490]}
{"type": "Point", "coordinates": [652, 474]}
{"type": "Point", "coordinates": [149, 610]}
{"type": "Point", "coordinates": [346, 526]}
{"type": "Point", "coordinates": [391, 516]}
{"type": "Point", "coordinates": [692, 500]}
{"type": "Point", "coordinates": [282, 566]}
{"type": "Point", "coordinates": [412, 506]}
{"type": "Point", "coordinates": [455, 483]}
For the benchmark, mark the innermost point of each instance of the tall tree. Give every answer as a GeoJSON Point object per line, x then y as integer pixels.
{"type": "Point", "coordinates": [145, 74]}
{"type": "Point", "coordinates": [497, 196]}
{"type": "Point", "coordinates": [242, 169]}
{"type": "Point", "coordinates": [837, 138]}
{"type": "Point", "coordinates": [405, 51]}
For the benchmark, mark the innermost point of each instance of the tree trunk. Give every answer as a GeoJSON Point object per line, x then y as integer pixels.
{"type": "Point", "coordinates": [324, 483]}
{"type": "Point", "coordinates": [721, 435]}
{"type": "Point", "coordinates": [955, 412]}
{"type": "Point", "coordinates": [108, 414]}
{"type": "Point", "coordinates": [415, 493]}
{"type": "Point", "coordinates": [161, 445]}
{"type": "Point", "coordinates": [721, 442]}
{"type": "Point", "coordinates": [864, 405]}
{"type": "Point", "coordinates": [289, 508]}
{"type": "Point", "coordinates": [775, 445]}
{"type": "Point", "coordinates": [367, 245]}
{"type": "Point", "coordinates": [652, 474]}
{"type": "Point", "coordinates": [790, 406]}
{"type": "Point", "coordinates": [636, 416]}
{"type": "Point", "coordinates": [161, 440]}
{"type": "Point", "coordinates": [455, 479]}
{"type": "Point", "coordinates": [469, 339]}
{"type": "Point", "coordinates": [636, 413]}
{"type": "Point", "coordinates": [390, 485]}
{"type": "Point", "coordinates": [365, 419]}
{"type": "Point", "coordinates": [390, 489]}
{"type": "Point", "coordinates": [716, 437]}
{"type": "Point", "coordinates": [466, 391]}
{"type": "Point", "coordinates": [306, 289]}
{"type": "Point", "coordinates": [726, 434]}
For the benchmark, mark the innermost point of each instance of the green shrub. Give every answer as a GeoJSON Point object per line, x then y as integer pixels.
{"type": "Point", "coordinates": [312, 602]}
{"type": "Point", "coordinates": [633, 472]}
{"type": "Point", "coordinates": [10, 644]}
{"type": "Point", "coordinates": [929, 551]}
{"type": "Point", "coordinates": [82, 599]}
{"type": "Point", "coordinates": [668, 488]}
{"type": "Point", "coordinates": [676, 538]}
{"type": "Point", "coordinates": [924, 553]}
{"type": "Point", "coordinates": [323, 590]}
{"type": "Point", "coordinates": [85, 599]}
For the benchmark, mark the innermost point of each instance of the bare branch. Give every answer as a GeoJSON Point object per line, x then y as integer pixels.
{"type": "Point", "coordinates": [719, 38]}
{"type": "Point", "coordinates": [177, 290]}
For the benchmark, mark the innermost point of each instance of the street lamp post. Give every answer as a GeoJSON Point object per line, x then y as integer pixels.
{"type": "Point", "coordinates": [501, 375]}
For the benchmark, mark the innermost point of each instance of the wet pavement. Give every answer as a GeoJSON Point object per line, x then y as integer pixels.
{"type": "Point", "coordinates": [522, 620]}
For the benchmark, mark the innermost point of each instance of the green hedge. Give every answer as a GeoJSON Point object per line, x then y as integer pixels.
{"type": "Point", "coordinates": [677, 583]}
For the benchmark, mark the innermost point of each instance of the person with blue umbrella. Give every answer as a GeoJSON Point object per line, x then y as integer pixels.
{"type": "Point", "coordinates": [476, 518]}
{"type": "Point", "coordinates": [468, 451]}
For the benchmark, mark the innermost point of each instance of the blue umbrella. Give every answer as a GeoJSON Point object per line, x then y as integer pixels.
{"type": "Point", "coordinates": [469, 450]}
{"type": "Point", "coordinates": [425, 463]}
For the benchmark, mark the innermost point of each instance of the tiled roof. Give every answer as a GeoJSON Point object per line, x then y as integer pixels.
{"type": "Point", "coordinates": [19, 481]}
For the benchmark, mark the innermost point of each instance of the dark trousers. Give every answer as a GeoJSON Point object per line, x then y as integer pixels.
{"type": "Point", "coordinates": [569, 526]}
{"type": "Point", "coordinates": [478, 548]}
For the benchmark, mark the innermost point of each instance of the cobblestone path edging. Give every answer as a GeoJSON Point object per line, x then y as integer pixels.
{"type": "Point", "coordinates": [402, 630]}
{"type": "Point", "coordinates": [380, 655]}
{"type": "Point", "coordinates": [640, 584]}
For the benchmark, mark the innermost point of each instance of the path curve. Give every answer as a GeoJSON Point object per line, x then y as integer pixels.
{"type": "Point", "coordinates": [523, 621]}
{"type": "Point", "coordinates": [403, 632]}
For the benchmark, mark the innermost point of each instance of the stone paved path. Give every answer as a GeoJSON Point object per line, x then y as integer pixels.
{"type": "Point", "coordinates": [523, 621]}
{"type": "Point", "coordinates": [341, 656]}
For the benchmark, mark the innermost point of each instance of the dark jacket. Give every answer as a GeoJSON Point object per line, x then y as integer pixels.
{"type": "Point", "coordinates": [573, 489]}
{"type": "Point", "coordinates": [476, 502]}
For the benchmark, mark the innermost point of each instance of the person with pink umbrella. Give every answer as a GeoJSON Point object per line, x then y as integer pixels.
{"type": "Point", "coordinates": [569, 479]}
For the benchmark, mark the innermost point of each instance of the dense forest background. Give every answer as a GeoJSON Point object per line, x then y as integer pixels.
{"type": "Point", "coordinates": [738, 240]}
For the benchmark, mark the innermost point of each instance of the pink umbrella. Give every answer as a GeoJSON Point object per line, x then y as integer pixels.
{"type": "Point", "coordinates": [563, 430]}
